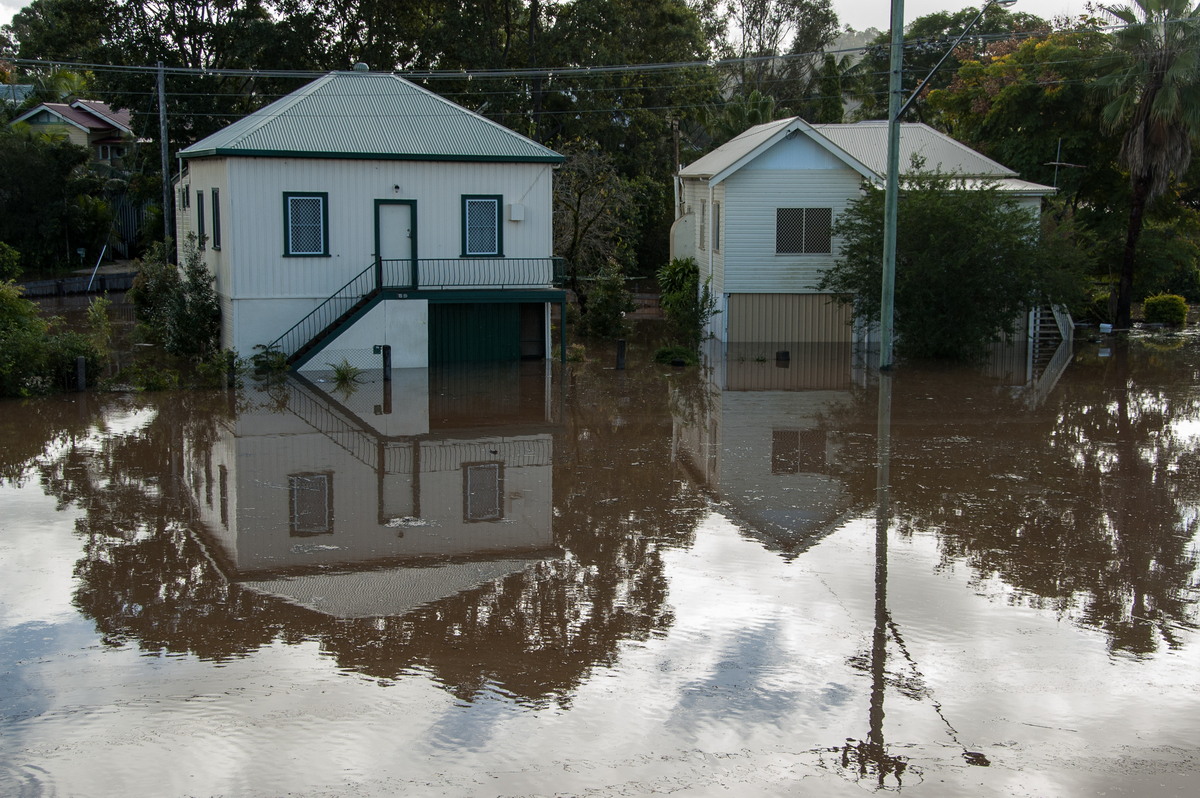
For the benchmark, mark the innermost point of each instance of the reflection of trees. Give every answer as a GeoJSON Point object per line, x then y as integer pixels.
{"type": "Point", "coordinates": [1087, 504]}
{"type": "Point", "coordinates": [146, 579]}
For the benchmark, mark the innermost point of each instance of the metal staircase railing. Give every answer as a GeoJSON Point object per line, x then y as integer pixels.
{"type": "Point", "coordinates": [410, 274]}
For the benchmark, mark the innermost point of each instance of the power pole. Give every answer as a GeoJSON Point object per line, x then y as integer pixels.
{"type": "Point", "coordinates": [163, 146]}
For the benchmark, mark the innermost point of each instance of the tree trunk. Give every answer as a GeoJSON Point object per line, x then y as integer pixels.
{"type": "Point", "coordinates": [1137, 208]}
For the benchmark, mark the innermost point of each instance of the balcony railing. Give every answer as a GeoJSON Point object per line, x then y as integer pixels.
{"type": "Point", "coordinates": [431, 274]}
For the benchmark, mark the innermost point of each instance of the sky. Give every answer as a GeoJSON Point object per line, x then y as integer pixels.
{"type": "Point", "coordinates": [859, 14]}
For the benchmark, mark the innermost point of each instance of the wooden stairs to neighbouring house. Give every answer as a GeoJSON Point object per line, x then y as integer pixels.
{"type": "Point", "coordinates": [1051, 339]}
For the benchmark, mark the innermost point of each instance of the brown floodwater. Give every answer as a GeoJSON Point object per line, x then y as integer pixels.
{"type": "Point", "coordinates": [766, 577]}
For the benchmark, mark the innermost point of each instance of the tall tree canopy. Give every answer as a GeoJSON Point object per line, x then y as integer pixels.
{"type": "Point", "coordinates": [1154, 104]}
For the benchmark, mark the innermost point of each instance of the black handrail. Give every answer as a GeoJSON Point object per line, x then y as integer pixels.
{"type": "Point", "coordinates": [411, 274]}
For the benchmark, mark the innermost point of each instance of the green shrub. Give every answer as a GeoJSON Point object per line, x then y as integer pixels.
{"type": "Point", "coordinates": [63, 349]}
{"type": "Point", "coordinates": [177, 308]}
{"type": "Point", "coordinates": [607, 303]}
{"type": "Point", "coordinates": [268, 359]}
{"type": "Point", "coordinates": [10, 262]}
{"type": "Point", "coordinates": [688, 304]}
{"type": "Point", "coordinates": [669, 354]}
{"type": "Point", "coordinates": [1169, 309]}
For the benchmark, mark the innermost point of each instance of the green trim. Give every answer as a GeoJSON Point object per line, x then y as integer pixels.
{"type": "Point", "coordinates": [412, 205]}
{"type": "Point", "coordinates": [287, 243]}
{"type": "Point", "coordinates": [370, 156]}
{"type": "Point", "coordinates": [499, 200]}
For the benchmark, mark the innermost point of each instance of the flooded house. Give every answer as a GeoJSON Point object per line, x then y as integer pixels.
{"type": "Point", "coordinates": [757, 214]}
{"type": "Point", "coordinates": [373, 502]}
{"type": "Point", "coordinates": [363, 211]}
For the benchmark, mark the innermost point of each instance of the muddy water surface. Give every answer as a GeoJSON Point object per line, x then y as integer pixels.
{"type": "Point", "coordinates": [769, 578]}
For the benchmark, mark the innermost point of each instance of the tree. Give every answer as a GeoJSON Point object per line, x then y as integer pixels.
{"type": "Point", "coordinates": [760, 33]}
{"type": "Point", "coordinates": [1154, 102]}
{"type": "Point", "coordinates": [968, 263]}
{"type": "Point", "coordinates": [591, 202]}
{"type": "Point", "coordinates": [926, 40]}
{"type": "Point", "coordinates": [45, 210]}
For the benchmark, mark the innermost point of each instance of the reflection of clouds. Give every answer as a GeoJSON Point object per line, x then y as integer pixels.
{"type": "Point", "coordinates": [38, 552]}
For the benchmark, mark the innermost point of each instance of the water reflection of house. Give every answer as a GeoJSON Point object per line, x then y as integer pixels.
{"type": "Point", "coordinates": [374, 502]}
{"type": "Point", "coordinates": [759, 434]}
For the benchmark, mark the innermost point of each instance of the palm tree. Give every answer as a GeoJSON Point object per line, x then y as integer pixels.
{"type": "Point", "coordinates": [1154, 91]}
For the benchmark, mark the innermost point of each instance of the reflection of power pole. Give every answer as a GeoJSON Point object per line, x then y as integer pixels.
{"type": "Point", "coordinates": [871, 757]}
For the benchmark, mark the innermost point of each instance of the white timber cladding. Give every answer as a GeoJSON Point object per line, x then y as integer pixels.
{"type": "Point", "coordinates": [203, 177]}
{"type": "Point", "coordinates": [254, 219]}
{"type": "Point", "coordinates": [752, 199]}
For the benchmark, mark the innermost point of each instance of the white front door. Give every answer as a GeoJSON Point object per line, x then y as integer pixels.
{"type": "Point", "coordinates": [396, 239]}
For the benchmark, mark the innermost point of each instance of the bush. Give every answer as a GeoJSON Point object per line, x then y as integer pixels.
{"type": "Point", "coordinates": [34, 358]}
{"type": "Point", "coordinates": [670, 354]}
{"type": "Point", "coordinates": [10, 262]}
{"type": "Point", "coordinates": [969, 261]}
{"type": "Point", "coordinates": [1169, 309]}
{"type": "Point", "coordinates": [607, 303]}
{"type": "Point", "coordinates": [178, 308]}
{"type": "Point", "coordinates": [688, 304]}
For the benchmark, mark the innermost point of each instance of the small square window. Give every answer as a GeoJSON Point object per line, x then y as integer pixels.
{"type": "Point", "coordinates": [803, 231]}
{"type": "Point", "coordinates": [310, 504]}
{"type": "Point", "coordinates": [483, 491]}
{"type": "Point", "coordinates": [305, 224]}
{"type": "Point", "coordinates": [481, 231]}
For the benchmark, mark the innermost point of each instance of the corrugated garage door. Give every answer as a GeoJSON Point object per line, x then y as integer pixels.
{"type": "Point", "coordinates": [485, 333]}
{"type": "Point", "coordinates": [799, 318]}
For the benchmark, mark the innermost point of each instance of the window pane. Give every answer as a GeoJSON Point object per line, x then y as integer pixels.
{"type": "Point", "coordinates": [482, 485]}
{"type": "Point", "coordinates": [311, 504]}
{"type": "Point", "coordinates": [789, 230]}
{"type": "Point", "coordinates": [483, 235]}
{"type": "Point", "coordinates": [817, 224]}
{"type": "Point", "coordinates": [216, 219]}
{"type": "Point", "coordinates": [306, 235]}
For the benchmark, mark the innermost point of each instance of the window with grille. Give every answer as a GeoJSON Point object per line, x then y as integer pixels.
{"type": "Point", "coordinates": [481, 226]}
{"type": "Point", "coordinates": [483, 491]}
{"type": "Point", "coordinates": [306, 224]}
{"type": "Point", "coordinates": [703, 222]}
{"type": "Point", "coordinates": [803, 231]}
{"type": "Point", "coordinates": [310, 500]}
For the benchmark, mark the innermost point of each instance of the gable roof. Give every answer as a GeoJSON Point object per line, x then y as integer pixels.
{"type": "Point", "coordinates": [89, 115]}
{"type": "Point", "coordinates": [373, 116]}
{"type": "Point", "coordinates": [862, 146]}
{"type": "Point", "coordinates": [122, 119]}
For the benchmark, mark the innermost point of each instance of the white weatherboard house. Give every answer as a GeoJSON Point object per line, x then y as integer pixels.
{"type": "Point", "coordinates": [756, 214]}
{"type": "Point", "coordinates": [363, 211]}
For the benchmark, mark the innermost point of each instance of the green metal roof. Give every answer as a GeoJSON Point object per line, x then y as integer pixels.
{"type": "Point", "coordinates": [369, 115]}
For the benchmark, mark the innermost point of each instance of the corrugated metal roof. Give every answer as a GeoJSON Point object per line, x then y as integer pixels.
{"type": "Point", "coordinates": [369, 115]}
{"type": "Point", "coordinates": [867, 143]}
{"type": "Point", "coordinates": [734, 150]}
{"type": "Point", "coordinates": [863, 147]}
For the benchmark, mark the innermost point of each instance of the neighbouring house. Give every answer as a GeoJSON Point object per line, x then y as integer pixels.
{"type": "Point", "coordinates": [363, 211]}
{"type": "Point", "coordinates": [105, 133]}
{"type": "Point", "coordinates": [756, 214]}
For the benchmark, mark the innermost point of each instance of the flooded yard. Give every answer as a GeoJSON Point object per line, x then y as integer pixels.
{"type": "Point", "coordinates": [766, 577]}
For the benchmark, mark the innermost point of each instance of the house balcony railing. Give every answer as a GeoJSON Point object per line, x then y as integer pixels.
{"type": "Point", "coordinates": [411, 274]}
{"type": "Point", "coordinates": [432, 274]}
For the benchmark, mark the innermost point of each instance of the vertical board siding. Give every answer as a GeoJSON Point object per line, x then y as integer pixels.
{"type": "Point", "coordinates": [255, 215]}
{"type": "Point", "coordinates": [798, 318]}
{"type": "Point", "coordinates": [751, 197]}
